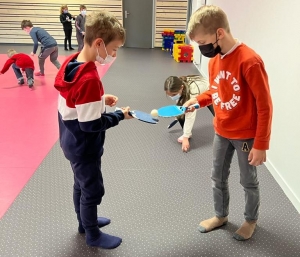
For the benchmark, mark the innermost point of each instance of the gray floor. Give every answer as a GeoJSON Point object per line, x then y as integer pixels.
{"type": "Point", "coordinates": [155, 194]}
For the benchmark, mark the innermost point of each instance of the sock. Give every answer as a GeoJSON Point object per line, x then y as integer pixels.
{"type": "Point", "coordinates": [210, 224]}
{"type": "Point", "coordinates": [101, 223]}
{"type": "Point", "coordinates": [245, 231]}
{"type": "Point", "coordinates": [104, 241]}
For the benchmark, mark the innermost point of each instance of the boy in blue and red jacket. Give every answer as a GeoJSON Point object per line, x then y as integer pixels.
{"type": "Point", "coordinates": [20, 61]}
{"type": "Point", "coordinates": [83, 121]}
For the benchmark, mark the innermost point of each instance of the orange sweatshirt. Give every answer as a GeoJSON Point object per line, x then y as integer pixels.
{"type": "Point", "coordinates": [240, 94]}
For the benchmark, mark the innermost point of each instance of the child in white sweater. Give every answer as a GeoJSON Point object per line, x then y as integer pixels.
{"type": "Point", "coordinates": [181, 89]}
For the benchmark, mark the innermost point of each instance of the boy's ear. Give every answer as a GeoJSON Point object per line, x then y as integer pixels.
{"type": "Point", "coordinates": [98, 42]}
{"type": "Point", "coordinates": [220, 33]}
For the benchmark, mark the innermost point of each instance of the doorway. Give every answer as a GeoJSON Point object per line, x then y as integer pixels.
{"type": "Point", "coordinates": [138, 21]}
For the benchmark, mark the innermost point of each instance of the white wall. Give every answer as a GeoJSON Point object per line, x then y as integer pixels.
{"type": "Point", "coordinates": [272, 29]}
{"type": "Point", "coordinates": [197, 55]}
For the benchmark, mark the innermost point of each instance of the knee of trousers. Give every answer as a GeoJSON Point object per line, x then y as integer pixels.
{"type": "Point", "coordinates": [216, 182]}
{"type": "Point", "coordinates": [250, 184]}
{"type": "Point", "coordinates": [93, 198]}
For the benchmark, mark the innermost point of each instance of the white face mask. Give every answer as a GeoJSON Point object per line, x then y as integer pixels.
{"type": "Point", "coordinates": [83, 12]}
{"type": "Point", "coordinates": [108, 59]}
{"type": "Point", "coordinates": [175, 97]}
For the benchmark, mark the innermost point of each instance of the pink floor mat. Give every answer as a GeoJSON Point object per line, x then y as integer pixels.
{"type": "Point", "coordinates": [28, 129]}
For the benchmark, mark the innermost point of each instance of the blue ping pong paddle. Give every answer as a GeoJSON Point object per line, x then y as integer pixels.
{"type": "Point", "coordinates": [174, 110]}
{"type": "Point", "coordinates": [142, 116]}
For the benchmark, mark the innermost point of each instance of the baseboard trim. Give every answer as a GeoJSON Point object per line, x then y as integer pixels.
{"type": "Point", "coordinates": [282, 183]}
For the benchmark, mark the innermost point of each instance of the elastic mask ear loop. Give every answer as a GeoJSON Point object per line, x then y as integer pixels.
{"type": "Point", "coordinates": [216, 39]}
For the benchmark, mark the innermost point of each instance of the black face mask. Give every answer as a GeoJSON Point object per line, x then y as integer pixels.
{"type": "Point", "coordinates": [209, 50]}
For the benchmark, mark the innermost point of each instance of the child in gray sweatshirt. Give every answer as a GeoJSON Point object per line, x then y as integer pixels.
{"type": "Point", "coordinates": [79, 24]}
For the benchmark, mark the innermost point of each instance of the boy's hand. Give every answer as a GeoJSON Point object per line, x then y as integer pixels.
{"type": "Point", "coordinates": [257, 157]}
{"type": "Point", "coordinates": [126, 111]}
{"type": "Point", "coordinates": [190, 102]}
{"type": "Point", "coordinates": [111, 100]}
{"type": "Point", "coordinates": [82, 32]}
{"type": "Point", "coordinates": [32, 54]}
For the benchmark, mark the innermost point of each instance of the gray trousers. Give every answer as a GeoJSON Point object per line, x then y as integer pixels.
{"type": "Point", "coordinates": [223, 150]}
{"type": "Point", "coordinates": [80, 41]}
{"type": "Point", "coordinates": [45, 52]}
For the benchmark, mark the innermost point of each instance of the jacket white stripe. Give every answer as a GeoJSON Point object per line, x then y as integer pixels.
{"type": "Point", "coordinates": [83, 112]}
{"type": "Point", "coordinates": [66, 112]}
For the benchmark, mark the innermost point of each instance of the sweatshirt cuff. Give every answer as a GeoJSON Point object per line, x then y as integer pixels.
{"type": "Point", "coordinates": [120, 114]}
{"type": "Point", "coordinates": [261, 145]}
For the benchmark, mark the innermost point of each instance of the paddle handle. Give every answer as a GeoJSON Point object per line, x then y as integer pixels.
{"type": "Point", "coordinates": [196, 106]}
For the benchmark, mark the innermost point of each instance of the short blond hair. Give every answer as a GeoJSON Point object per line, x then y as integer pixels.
{"type": "Point", "coordinates": [208, 19]}
{"type": "Point", "coordinates": [11, 52]}
{"type": "Point", "coordinates": [104, 25]}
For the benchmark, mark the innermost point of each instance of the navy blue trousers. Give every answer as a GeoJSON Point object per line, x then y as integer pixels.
{"type": "Point", "coordinates": [87, 194]}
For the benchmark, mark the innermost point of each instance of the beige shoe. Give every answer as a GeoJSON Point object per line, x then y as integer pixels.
{"type": "Point", "coordinates": [210, 224]}
{"type": "Point", "coordinates": [246, 231]}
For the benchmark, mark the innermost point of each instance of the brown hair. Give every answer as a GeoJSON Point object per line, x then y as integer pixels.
{"type": "Point", "coordinates": [26, 23]}
{"type": "Point", "coordinates": [208, 19]}
{"type": "Point", "coordinates": [11, 52]}
{"type": "Point", "coordinates": [63, 7]}
{"type": "Point", "coordinates": [173, 84]}
{"type": "Point", "coordinates": [105, 25]}
{"type": "Point", "coordinates": [82, 7]}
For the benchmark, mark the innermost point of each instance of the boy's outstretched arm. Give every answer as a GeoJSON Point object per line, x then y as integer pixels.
{"type": "Point", "coordinates": [203, 100]}
{"type": "Point", "coordinates": [6, 66]}
{"type": "Point", "coordinates": [90, 107]}
{"type": "Point", "coordinates": [35, 43]}
{"type": "Point", "coordinates": [190, 102]}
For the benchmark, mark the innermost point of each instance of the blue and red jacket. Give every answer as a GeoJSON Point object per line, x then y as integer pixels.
{"type": "Point", "coordinates": [81, 111]}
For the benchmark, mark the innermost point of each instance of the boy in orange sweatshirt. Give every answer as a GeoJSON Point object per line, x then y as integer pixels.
{"type": "Point", "coordinates": [240, 94]}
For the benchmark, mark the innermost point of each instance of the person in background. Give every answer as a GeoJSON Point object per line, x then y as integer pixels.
{"type": "Point", "coordinates": [66, 20]}
{"type": "Point", "coordinates": [20, 61]}
{"type": "Point", "coordinates": [48, 48]}
{"type": "Point", "coordinates": [79, 25]}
